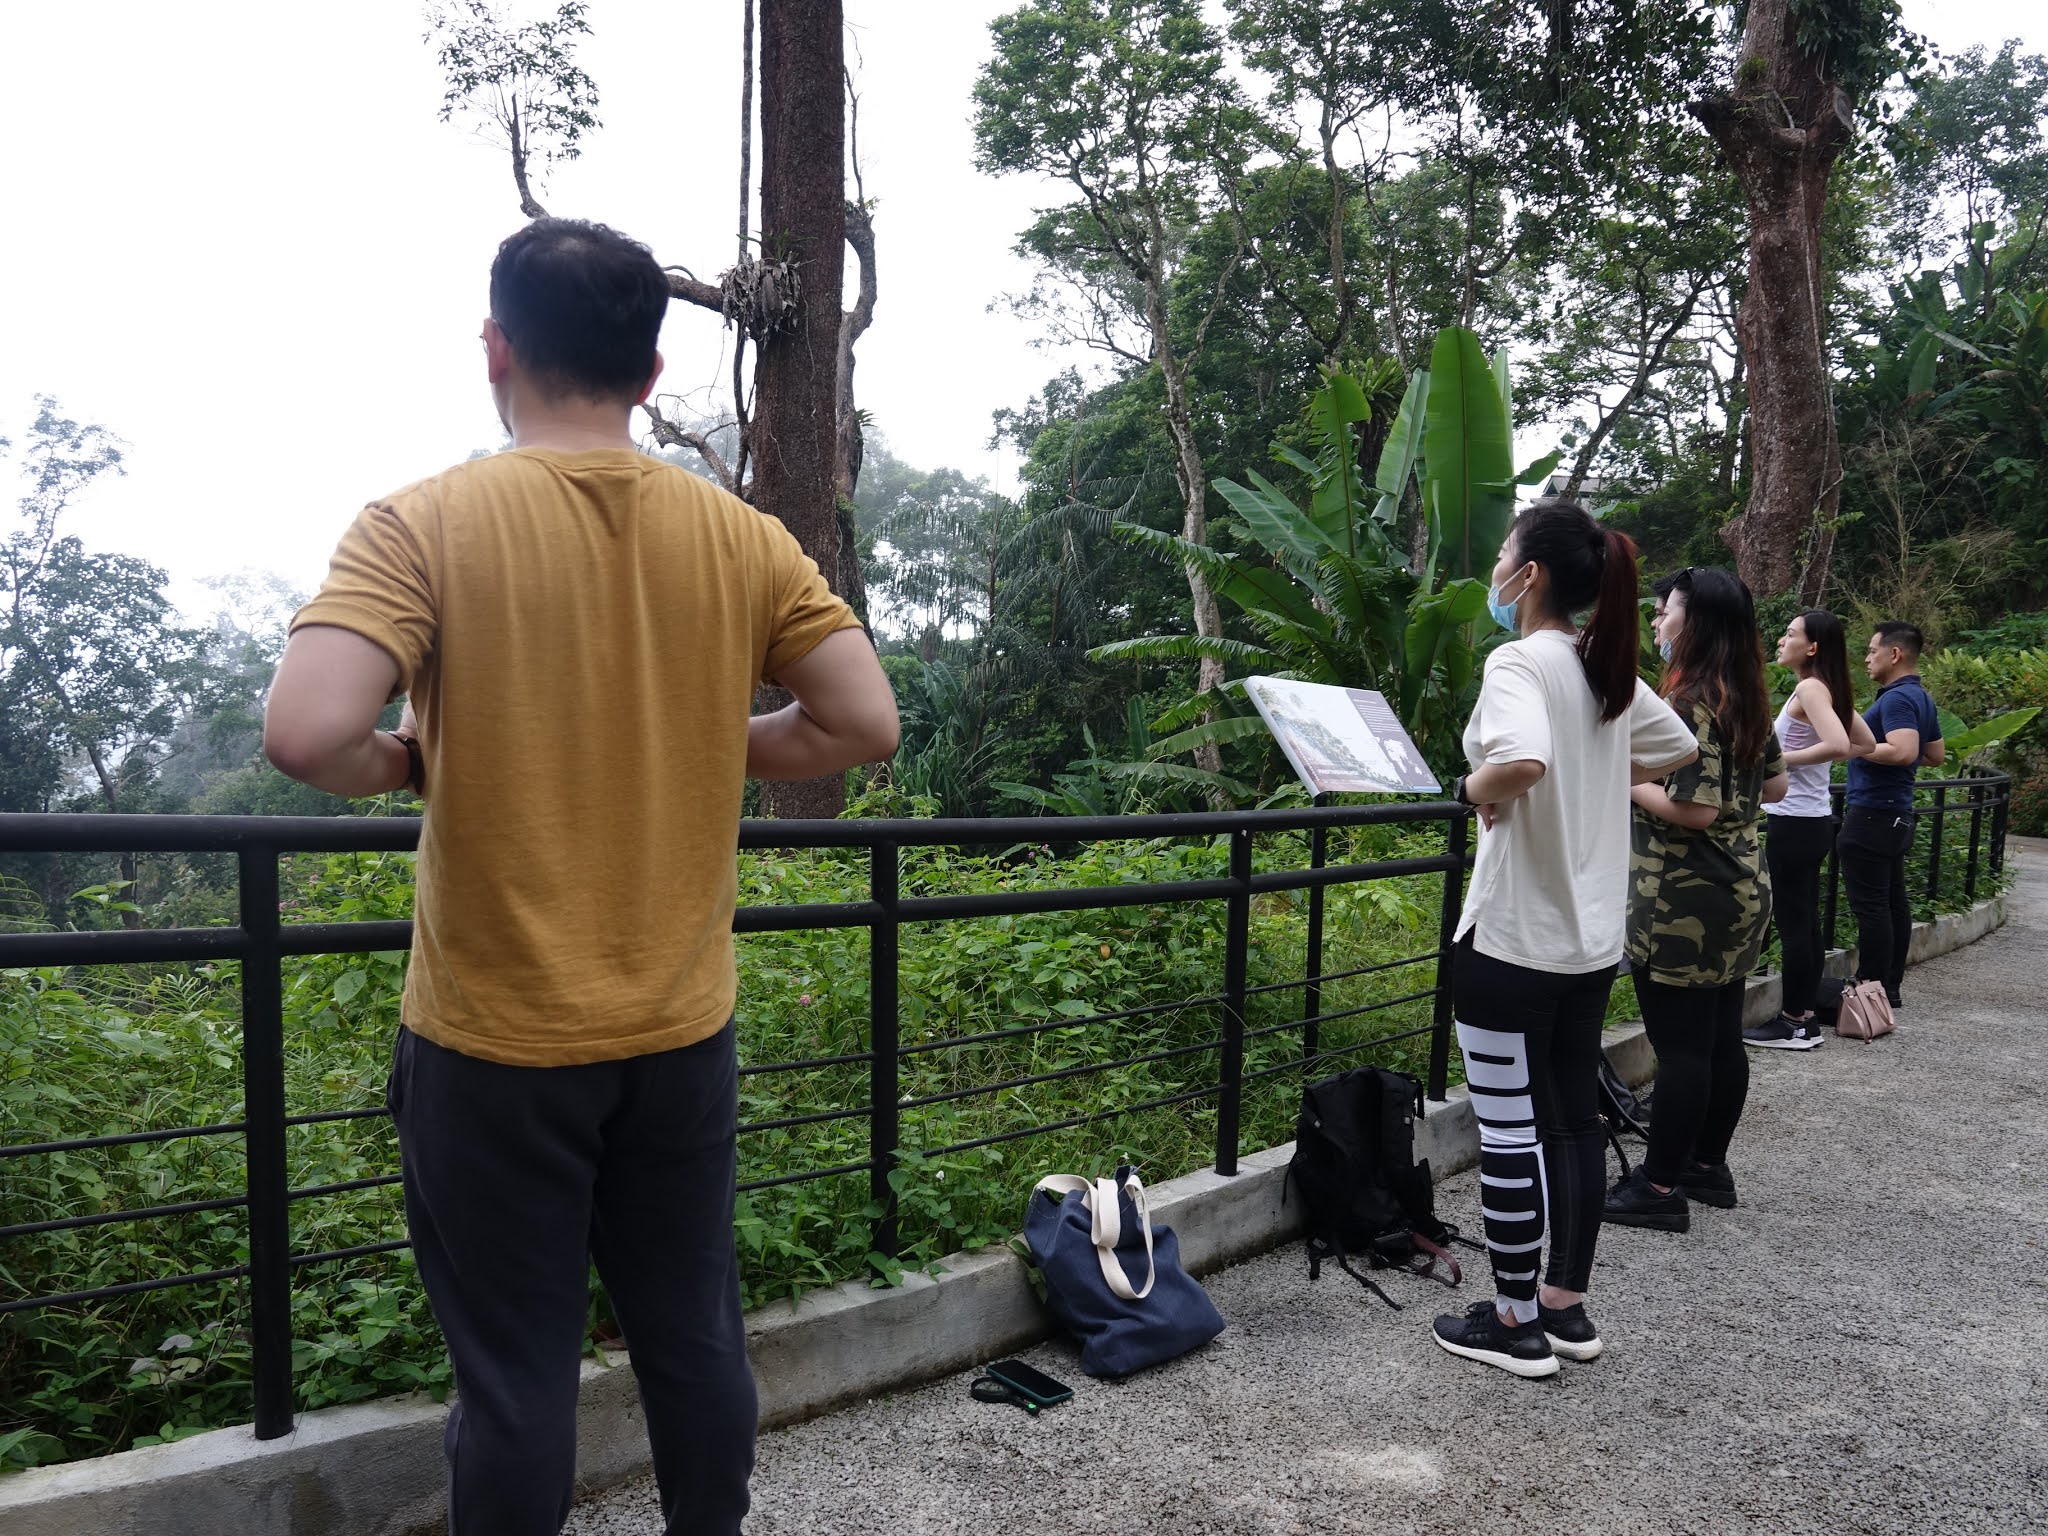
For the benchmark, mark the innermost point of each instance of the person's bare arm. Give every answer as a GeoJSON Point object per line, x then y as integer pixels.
{"type": "Point", "coordinates": [1861, 738]}
{"type": "Point", "coordinates": [845, 713]}
{"type": "Point", "coordinates": [1899, 749]}
{"type": "Point", "coordinates": [320, 725]}
{"type": "Point", "coordinates": [1684, 813]}
{"type": "Point", "coordinates": [1834, 743]}
{"type": "Point", "coordinates": [1936, 753]}
{"type": "Point", "coordinates": [1776, 787]}
{"type": "Point", "coordinates": [1645, 773]}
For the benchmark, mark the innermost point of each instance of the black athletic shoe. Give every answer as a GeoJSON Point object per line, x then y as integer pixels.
{"type": "Point", "coordinates": [1784, 1034]}
{"type": "Point", "coordinates": [1708, 1183]}
{"type": "Point", "coordinates": [1571, 1332]}
{"type": "Point", "coordinates": [1895, 1000]}
{"type": "Point", "coordinates": [1634, 1202]}
{"type": "Point", "coordinates": [1519, 1348]}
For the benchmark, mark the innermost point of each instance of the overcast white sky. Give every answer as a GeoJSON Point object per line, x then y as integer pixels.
{"type": "Point", "coordinates": [240, 239]}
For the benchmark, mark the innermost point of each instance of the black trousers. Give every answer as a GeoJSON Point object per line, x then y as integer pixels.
{"type": "Point", "coordinates": [1531, 1041]}
{"type": "Point", "coordinates": [1796, 851]}
{"type": "Point", "coordinates": [1702, 1073]}
{"type": "Point", "coordinates": [516, 1178]}
{"type": "Point", "coordinates": [1871, 849]}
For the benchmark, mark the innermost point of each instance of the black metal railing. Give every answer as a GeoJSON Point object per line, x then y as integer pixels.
{"type": "Point", "coordinates": [1986, 799]}
{"type": "Point", "coordinates": [261, 942]}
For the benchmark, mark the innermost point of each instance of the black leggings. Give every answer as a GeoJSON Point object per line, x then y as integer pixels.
{"type": "Point", "coordinates": [1796, 850]}
{"type": "Point", "coordinates": [1531, 1041]}
{"type": "Point", "coordinates": [1702, 1073]}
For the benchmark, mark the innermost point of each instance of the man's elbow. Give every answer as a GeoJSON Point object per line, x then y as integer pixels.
{"type": "Point", "coordinates": [288, 751]}
{"type": "Point", "coordinates": [882, 737]}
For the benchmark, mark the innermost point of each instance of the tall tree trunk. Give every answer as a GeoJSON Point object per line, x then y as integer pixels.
{"type": "Point", "coordinates": [1194, 526]}
{"type": "Point", "coordinates": [1782, 127]}
{"type": "Point", "coordinates": [803, 220]}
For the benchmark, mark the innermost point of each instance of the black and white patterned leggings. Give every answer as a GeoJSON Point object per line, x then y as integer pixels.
{"type": "Point", "coordinates": [1531, 1041]}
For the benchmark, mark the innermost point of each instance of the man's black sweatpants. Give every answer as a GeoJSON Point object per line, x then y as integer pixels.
{"type": "Point", "coordinates": [516, 1178]}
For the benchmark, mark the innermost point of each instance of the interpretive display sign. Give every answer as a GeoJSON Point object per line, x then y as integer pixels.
{"type": "Point", "coordinates": [1341, 740]}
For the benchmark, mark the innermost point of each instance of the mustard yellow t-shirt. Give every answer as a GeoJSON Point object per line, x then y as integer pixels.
{"type": "Point", "coordinates": [581, 635]}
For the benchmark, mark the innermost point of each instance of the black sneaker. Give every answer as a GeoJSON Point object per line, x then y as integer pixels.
{"type": "Point", "coordinates": [1634, 1202]}
{"type": "Point", "coordinates": [1571, 1332]}
{"type": "Point", "coordinates": [1898, 1003]}
{"type": "Point", "coordinates": [1708, 1183]}
{"type": "Point", "coordinates": [1481, 1334]}
{"type": "Point", "coordinates": [1783, 1034]}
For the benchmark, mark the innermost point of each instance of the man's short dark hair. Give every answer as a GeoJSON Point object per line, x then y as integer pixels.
{"type": "Point", "coordinates": [1906, 637]}
{"type": "Point", "coordinates": [582, 306]}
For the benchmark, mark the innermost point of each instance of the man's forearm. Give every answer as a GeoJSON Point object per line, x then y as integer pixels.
{"type": "Point", "coordinates": [374, 764]}
{"type": "Point", "coordinates": [790, 744]}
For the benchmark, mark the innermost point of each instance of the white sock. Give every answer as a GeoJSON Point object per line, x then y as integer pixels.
{"type": "Point", "coordinates": [1520, 1311]}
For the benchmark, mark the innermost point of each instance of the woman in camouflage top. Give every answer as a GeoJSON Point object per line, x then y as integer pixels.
{"type": "Point", "coordinates": [1699, 902]}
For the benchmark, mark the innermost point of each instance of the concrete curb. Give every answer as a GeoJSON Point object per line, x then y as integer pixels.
{"type": "Point", "coordinates": [376, 1469]}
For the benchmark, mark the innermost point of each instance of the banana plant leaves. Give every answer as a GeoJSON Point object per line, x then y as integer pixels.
{"type": "Point", "coordinates": [1468, 470]}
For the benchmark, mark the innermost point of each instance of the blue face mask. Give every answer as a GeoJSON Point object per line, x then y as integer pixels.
{"type": "Point", "coordinates": [1503, 613]}
{"type": "Point", "coordinates": [1664, 649]}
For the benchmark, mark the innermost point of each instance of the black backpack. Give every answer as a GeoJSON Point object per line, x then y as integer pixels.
{"type": "Point", "coordinates": [1621, 1109]}
{"type": "Point", "coordinates": [1365, 1194]}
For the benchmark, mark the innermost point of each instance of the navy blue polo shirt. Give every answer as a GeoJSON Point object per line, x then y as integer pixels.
{"type": "Point", "coordinates": [1900, 705]}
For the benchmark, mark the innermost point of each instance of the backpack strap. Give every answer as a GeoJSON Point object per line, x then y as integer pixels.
{"type": "Point", "coordinates": [1345, 1265]}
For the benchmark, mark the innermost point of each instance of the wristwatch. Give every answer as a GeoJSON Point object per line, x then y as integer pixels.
{"type": "Point", "coordinates": [1458, 790]}
{"type": "Point", "coordinates": [416, 766]}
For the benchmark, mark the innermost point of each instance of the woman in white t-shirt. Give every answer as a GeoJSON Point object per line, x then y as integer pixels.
{"type": "Point", "coordinates": [1562, 728]}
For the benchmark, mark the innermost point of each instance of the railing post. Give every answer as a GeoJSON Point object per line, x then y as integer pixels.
{"type": "Point", "coordinates": [1834, 872]}
{"type": "Point", "coordinates": [1312, 993]}
{"type": "Point", "coordinates": [1934, 846]}
{"type": "Point", "coordinates": [270, 1275]}
{"type": "Point", "coordinates": [1455, 836]}
{"type": "Point", "coordinates": [2001, 811]}
{"type": "Point", "coordinates": [1236, 939]}
{"type": "Point", "coordinates": [884, 1092]}
{"type": "Point", "coordinates": [1976, 843]}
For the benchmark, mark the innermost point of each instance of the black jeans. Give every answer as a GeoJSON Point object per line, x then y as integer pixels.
{"type": "Point", "coordinates": [1796, 850]}
{"type": "Point", "coordinates": [1531, 1041]}
{"type": "Point", "coordinates": [1872, 848]}
{"type": "Point", "coordinates": [1702, 1073]}
{"type": "Point", "coordinates": [516, 1178]}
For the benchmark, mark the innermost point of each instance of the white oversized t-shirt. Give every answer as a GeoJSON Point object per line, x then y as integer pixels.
{"type": "Point", "coordinates": [1550, 884]}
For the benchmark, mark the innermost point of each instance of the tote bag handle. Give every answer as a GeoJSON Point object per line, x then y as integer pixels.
{"type": "Point", "coordinates": [1106, 1225]}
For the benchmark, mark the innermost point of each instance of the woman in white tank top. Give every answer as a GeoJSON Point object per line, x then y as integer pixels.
{"type": "Point", "coordinates": [1817, 727]}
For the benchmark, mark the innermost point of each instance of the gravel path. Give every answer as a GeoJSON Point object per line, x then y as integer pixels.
{"type": "Point", "coordinates": [1861, 1346]}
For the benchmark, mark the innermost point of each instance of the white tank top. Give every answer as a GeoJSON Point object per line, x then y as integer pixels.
{"type": "Point", "coordinates": [1808, 793]}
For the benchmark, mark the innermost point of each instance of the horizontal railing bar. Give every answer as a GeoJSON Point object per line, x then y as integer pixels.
{"type": "Point", "coordinates": [1342, 1013]}
{"type": "Point", "coordinates": [1335, 1051]}
{"type": "Point", "coordinates": [807, 1066]}
{"type": "Point", "coordinates": [329, 1116]}
{"type": "Point", "coordinates": [125, 1139]}
{"type": "Point", "coordinates": [1329, 978]}
{"type": "Point", "coordinates": [346, 938]}
{"type": "Point", "coordinates": [141, 1213]}
{"type": "Point", "coordinates": [803, 1178]}
{"type": "Point", "coordinates": [821, 1118]}
{"type": "Point", "coordinates": [121, 946]}
{"type": "Point", "coordinates": [1060, 1023]}
{"type": "Point", "coordinates": [361, 1250]}
{"type": "Point", "coordinates": [132, 1288]}
{"type": "Point", "coordinates": [928, 909]}
{"type": "Point", "coordinates": [1068, 1125]}
{"type": "Point", "coordinates": [952, 1094]}
{"type": "Point", "coordinates": [312, 1191]}
{"type": "Point", "coordinates": [59, 832]}
{"type": "Point", "coordinates": [1352, 874]}
{"type": "Point", "coordinates": [962, 831]}
{"type": "Point", "coordinates": [805, 916]}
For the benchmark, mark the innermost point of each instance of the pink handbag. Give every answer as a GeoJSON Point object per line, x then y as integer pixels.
{"type": "Point", "coordinates": [1865, 1013]}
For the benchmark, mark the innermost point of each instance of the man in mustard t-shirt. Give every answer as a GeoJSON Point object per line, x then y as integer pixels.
{"type": "Point", "coordinates": [579, 631]}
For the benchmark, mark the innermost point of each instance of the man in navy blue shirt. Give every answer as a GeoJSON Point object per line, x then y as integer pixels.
{"type": "Point", "coordinates": [1877, 827]}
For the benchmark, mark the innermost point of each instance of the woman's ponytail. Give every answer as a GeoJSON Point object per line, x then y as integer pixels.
{"type": "Point", "coordinates": [1591, 566]}
{"type": "Point", "coordinates": [1608, 645]}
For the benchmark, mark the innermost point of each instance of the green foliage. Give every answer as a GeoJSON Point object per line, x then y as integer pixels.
{"type": "Point", "coordinates": [2002, 685]}
{"type": "Point", "coordinates": [521, 83]}
{"type": "Point", "coordinates": [1336, 601]}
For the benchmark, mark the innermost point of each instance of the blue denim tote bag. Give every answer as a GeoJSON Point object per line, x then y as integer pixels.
{"type": "Point", "coordinates": [1113, 1278]}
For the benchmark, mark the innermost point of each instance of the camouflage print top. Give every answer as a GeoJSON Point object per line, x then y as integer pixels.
{"type": "Point", "coordinates": [1699, 902]}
